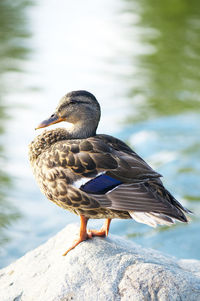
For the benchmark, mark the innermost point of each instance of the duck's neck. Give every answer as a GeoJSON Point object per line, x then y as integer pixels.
{"type": "Point", "coordinates": [82, 130]}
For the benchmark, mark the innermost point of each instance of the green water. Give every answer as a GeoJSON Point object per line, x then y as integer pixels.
{"type": "Point", "coordinates": [13, 52]}
{"type": "Point", "coordinates": [141, 59]}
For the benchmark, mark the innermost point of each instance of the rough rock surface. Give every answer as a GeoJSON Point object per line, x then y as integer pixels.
{"type": "Point", "coordinates": [98, 269]}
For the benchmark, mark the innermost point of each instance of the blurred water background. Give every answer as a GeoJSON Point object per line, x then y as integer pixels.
{"type": "Point", "coordinates": [141, 58]}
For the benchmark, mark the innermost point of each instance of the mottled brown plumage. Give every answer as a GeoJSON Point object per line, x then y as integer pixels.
{"type": "Point", "coordinates": [97, 176]}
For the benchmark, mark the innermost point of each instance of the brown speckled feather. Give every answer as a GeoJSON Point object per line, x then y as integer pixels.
{"type": "Point", "coordinates": [59, 165]}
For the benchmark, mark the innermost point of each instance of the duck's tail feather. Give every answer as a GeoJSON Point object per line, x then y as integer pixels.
{"type": "Point", "coordinates": [151, 218]}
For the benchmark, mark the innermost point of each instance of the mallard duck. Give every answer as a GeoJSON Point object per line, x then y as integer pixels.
{"type": "Point", "coordinates": [97, 175]}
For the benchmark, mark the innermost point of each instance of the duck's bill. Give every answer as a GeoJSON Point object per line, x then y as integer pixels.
{"type": "Point", "coordinates": [52, 120]}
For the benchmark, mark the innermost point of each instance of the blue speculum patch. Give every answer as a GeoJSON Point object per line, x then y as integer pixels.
{"type": "Point", "coordinates": [100, 184]}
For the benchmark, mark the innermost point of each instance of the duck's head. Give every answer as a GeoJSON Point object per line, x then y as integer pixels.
{"type": "Point", "coordinates": [81, 110]}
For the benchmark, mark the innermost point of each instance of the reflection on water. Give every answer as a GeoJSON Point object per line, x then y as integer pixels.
{"type": "Point", "coordinates": [167, 80]}
{"type": "Point", "coordinates": [157, 94]}
{"type": "Point", "coordinates": [167, 76]}
{"type": "Point", "coordinates": [12, 50]}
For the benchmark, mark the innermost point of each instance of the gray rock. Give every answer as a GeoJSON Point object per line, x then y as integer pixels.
{"type": "Point", "coordinates": [98, 269]}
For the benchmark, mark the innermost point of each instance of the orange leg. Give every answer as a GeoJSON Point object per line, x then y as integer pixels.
{"type": "Point", "coordinates": [82, 235]}
{"type": "Point", "coordinates": [103, 231]}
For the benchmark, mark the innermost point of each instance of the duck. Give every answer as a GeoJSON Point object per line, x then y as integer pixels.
{"type": "Point", "coordinates": [97, 176]}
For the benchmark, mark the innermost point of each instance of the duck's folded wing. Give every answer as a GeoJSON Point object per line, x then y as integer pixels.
{"type": "Point", "coordinates": [140, 188]}
{"type": "Point", "coordinates": [116, 177]}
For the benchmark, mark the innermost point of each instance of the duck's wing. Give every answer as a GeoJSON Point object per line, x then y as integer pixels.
{"type": "Point", "coordinates": [133, 185]}
{"type": "Point", "coordinates": [107, 171]}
